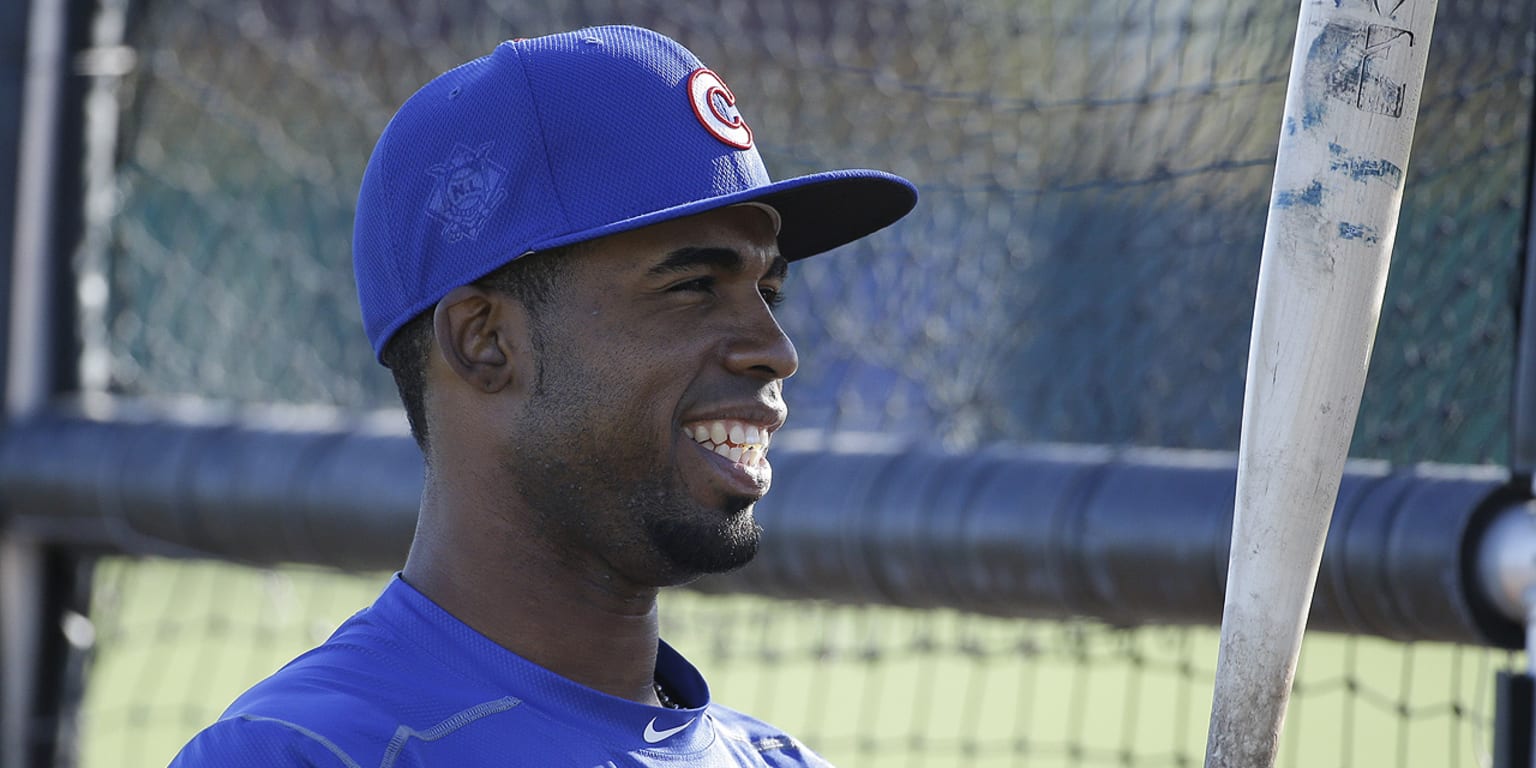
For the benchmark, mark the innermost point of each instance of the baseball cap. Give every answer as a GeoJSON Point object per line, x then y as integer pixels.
{"type": "Point", "coordinates": [556, 140]}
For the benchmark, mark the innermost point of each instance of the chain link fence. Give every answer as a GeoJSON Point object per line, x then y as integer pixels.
{"type": "Point", "coordinates": [1080, 269]}
{"type": "Point", "coordinates": [866, 686]}
{"type": "Point", "coordinates": [1094, 181]}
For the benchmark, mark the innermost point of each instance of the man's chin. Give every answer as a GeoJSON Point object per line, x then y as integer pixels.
{"type": "Point", "coordinates": [697, 549]}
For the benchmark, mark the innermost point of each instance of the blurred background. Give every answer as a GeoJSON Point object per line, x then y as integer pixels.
{"type": "Point", "coordinates": [1080, 270]}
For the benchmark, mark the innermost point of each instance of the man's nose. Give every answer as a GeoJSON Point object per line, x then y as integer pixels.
{"type": "Point", "coordinates": [761, 348]}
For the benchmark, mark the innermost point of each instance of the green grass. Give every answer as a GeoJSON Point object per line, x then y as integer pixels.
{"type": "Point", "coordinates": [865, 686]}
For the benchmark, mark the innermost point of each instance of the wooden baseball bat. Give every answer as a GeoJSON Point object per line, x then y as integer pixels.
{"type": "Point", "coordinates": [1350, 107]}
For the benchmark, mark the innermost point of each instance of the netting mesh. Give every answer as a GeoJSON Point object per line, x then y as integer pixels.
{"type": "Point", "coordinates": [1080, 269]}
{"type": "Point", "coordinates": [1094, 179]}
{"type": "Point", "coordinates": [865, 686]}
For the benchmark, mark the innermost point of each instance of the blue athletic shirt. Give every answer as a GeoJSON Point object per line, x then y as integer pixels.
{"type": "Point", "coordinates": [403, 684]}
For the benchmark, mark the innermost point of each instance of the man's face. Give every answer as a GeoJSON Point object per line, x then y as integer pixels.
{"type": "Point", "coordinates": [663, 367]}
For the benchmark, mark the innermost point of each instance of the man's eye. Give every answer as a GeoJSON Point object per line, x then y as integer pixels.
{"type": "Point", "coordinates": [696, 285]}
{"type": "Point", "coordinates": [773, 297]}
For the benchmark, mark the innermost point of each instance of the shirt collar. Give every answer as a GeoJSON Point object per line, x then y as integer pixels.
{"type": "Point", "coordinates": [619, 722]}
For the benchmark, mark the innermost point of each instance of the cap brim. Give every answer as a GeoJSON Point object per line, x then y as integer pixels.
{"type": "Point", "coordinates": [825, 210]}
{"type": "Point", "coordinates": [819, 212]}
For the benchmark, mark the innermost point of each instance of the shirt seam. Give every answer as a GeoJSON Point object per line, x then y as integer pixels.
{"type": "Point", "coordinates": [329, 746]}
{"type": "Point", "coordinates": [452, 724]}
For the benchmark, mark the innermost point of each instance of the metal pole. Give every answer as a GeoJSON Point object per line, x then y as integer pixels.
{"type": "Point", "coordinates": [30, 360]}
{"type": "Point", "coordinates": [1522, 716]}
{"type": "Point", "coordinates": [1522, 460]}
{"type": "Point", "coordinates": [1522, 457]}
{"type": "Point", "coordinates": [1506, 572]}
{"type": "Point", "coordinates": [27, 384]}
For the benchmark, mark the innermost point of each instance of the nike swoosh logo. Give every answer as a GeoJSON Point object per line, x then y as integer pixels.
{"type": "Point", "coordinates": [652, 735]}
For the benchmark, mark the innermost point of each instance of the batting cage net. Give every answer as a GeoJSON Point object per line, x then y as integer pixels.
{"type": "Point", "coordinates": [1094, 179]}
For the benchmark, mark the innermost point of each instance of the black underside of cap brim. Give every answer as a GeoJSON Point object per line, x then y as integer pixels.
{"type": "Point", "coordinates": [817, 212]}
{"type": "Point", "coordinates": [823, 211]}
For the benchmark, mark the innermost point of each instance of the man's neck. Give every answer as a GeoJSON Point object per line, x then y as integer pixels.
{"type": "Point", "coordinates": [576, 619]}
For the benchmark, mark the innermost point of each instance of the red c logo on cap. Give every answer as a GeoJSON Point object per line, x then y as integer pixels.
{"type": "Point", "coordinates": [715, 106]}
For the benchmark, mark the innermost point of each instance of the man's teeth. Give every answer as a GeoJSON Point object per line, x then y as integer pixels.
{"type": "Point", "coordinates": [738, 441]}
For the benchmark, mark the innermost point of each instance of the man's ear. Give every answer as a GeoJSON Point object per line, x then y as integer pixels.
{"type": "Point", "coordinates": [479, 333]}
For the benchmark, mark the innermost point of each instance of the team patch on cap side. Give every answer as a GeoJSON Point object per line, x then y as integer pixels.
{"type": "Point", "coordinates": [468, 188]}
{"type": "Point", "coordinates": [715, 106]}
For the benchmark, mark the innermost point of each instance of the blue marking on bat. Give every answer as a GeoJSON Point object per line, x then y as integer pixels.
{"type": "Point", "coordinates": [1331, 49]}
{"type": "Point", "coordinates": [1312, 195]}
{"type": "Point", "coordinates": [1348, 231]}
{"type": "Point", "coordinates": [1363, 169]}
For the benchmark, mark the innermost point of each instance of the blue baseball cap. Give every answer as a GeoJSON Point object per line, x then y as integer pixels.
{"type": "Point", "coordinates": [557, 140]}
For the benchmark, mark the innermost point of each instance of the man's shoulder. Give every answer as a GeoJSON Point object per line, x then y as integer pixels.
{"type": "Point", "coordinates": [748, 735]}
{"type": "Point", "coordinates": [324, 708]}
{"type": "Point", "coordinates": [343, 716]}
{"type": "Point", "coordinates": [344, 703]}
{"type": "Point", "coordinates": [340, 732]}
{"type": "Point", "coordinates": [249, 741]}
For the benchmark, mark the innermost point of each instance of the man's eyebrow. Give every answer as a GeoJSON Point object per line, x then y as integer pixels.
{"type": "Point", "coordinates": [690, 258]}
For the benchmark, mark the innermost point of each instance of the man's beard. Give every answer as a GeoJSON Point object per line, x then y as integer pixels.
{"type": "Point", "coordinates": [622, 517]}
{"type": "Point", "coordinates": [574, 481]}
{"type": "Point", "coordinates": [697, 548]}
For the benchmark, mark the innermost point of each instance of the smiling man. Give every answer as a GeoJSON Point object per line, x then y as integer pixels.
{"type": "Point", "coordinates": [568, 253]}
